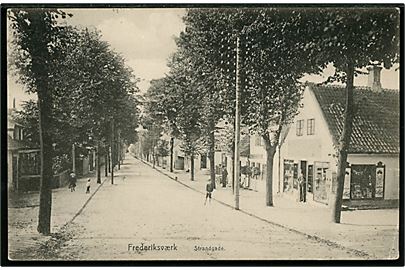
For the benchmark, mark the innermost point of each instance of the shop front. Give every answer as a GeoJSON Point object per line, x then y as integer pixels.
{"type": "Point", "coordinates": [317, 179]}
{"type": "Point", "coordinates": [363, 184]}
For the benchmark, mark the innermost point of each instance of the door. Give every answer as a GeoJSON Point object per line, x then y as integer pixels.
{"type": "Point", "coordinates": [310, 178]}
{"type": "Point", "coordinates": [179, 164]}
{"type": "Point", "coordinates": [321, 186]}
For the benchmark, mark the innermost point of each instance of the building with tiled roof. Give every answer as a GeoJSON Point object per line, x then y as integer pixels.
{"type": "Point", "coordinates": [312, 141]}
{"type": "Point", "coordinates": [376, 120]}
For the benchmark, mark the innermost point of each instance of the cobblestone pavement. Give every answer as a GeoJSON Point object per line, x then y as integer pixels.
{"type": "Point", "coordinates": [145, 215]}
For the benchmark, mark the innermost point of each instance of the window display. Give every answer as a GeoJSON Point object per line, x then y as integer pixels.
{"type": "Point", "coordinates": [322, 183]}
{"type": "Point", "coordinates": [363, 182]}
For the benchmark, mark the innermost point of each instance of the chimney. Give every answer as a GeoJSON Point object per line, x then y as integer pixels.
{"type": "Point", "coordinates": [13, 103]}
{"type": "Point", "coordinates": [374, 77]}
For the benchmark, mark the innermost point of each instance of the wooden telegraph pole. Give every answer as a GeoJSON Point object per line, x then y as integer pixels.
{"type": "Point", "coordinates": [74, 158]}
{"type": "Point", "coordinates": [237, 128]}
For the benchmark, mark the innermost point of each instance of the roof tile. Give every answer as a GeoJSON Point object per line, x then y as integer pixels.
{"type": "Point", "coordinates": [376, 120]}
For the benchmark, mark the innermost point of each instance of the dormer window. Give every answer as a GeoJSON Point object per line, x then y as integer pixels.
{"type": "Point", "coordinates": [300, 128]}
{"type": "Point", "coordinates": [311, 126]}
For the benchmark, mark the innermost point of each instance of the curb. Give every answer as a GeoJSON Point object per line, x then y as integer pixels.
{"type": "Point", "coordinates": [84, 205]}
{"type": "Point", "coordinates": [309, 236]}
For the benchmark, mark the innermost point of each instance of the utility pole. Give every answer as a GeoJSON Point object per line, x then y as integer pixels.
{"type": "Point", "coordinates": [112, 151]}
{"type": "Point", "coordinates": [119, 148]}
{"type": "Point", "coordinates": [98, 170]}
{"type": "Point", "coordinates": [237, 128]}
{"type": "Point", "coordinates": [74, 158]}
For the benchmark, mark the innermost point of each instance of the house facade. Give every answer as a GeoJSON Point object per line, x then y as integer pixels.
{"type": "Point", "coordinates": [23, 160]}
{"type": "Point", "coordinates": [310, 147]}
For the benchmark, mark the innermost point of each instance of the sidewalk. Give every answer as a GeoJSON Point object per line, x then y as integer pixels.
{"type": "Point", "coordinates": [23, 215]}
{"type": "Point", "coordinates": [371, 232]}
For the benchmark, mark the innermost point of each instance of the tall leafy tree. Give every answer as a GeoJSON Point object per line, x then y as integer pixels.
{"type": "Point", "coordinates": [36, 39]}
{"type": "Point", "coordinates": [199, 41]}
{"type": "Point", "coordinates": [188, 105]}
{"type": "Point", "coordinates": [271, 45]}
{"type": "Point", "coordinates": [351, 39]}
{"type": "Point", "coordinates": [82, 86]}
{"type": "Point", "coordinates": [161, 106]}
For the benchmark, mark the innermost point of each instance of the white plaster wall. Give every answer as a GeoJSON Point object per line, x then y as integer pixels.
{"type": "Point", "coordinates": [311, 148]}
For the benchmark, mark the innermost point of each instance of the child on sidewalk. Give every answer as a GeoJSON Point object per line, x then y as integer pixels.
{"type": "Point", "coordinates": [88, 186]}
{"type": "Point", "coordinates": [72, 181]}
{"type": "Point", "coordinates": [209, 190]}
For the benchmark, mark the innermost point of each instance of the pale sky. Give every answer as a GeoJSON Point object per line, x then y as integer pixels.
{"type": "Point", "coordinates": [145, 38]}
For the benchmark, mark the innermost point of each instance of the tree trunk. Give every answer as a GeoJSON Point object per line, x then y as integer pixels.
{"type": "Point", "coordinates": [192, 168]}
{"type": "Point", "coordinates": [112, 150]}
{"type": "Point", "coordinates": [336, 199]}
{"type": "Point", "coordinates": [233, 173]}
{"type": "Point", "coordinates": [109, 159]}
{"type": "Point", "coordinates": [98, 169]}
{"type": "Point", "coordinates": [119, 151]}
{"type": "Point", "coordinates": [171, 153]}
{"type": "Point", "coordinates": [45, 127]}
{"type": "Point", "coordinates": [106, 163]}
{"type": "Point", "coordinates": [270, 152]}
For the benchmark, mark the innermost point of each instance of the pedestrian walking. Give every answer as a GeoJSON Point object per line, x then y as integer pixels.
{"type": "Point", "coordinates": [209, 190]}
{"type": "Point", "coordinates": [72, 181]}
{"type": "Point", "coordinates": [224, 176]}
{"type": "Point", "coordinates": [88, 184]}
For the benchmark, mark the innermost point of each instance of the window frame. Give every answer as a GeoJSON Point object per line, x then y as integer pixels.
{"type": "Point", "coordinates": [311, 128]}
{"type": "Point", "coordinates": [299, 128]}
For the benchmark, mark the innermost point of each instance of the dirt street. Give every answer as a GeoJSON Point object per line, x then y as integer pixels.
{"type": "Point", "coordinates": [145, 215]}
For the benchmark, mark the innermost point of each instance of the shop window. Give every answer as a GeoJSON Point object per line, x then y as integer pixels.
{"type": "Point", "coordinates": [310, 126]}
{"type": "Point", "coordinates": [300, 127]}
{"type": "Point", "coordinates": [295, 176]}
{"type": "Point", "coordinates": [363, 182]}
{"type": "Point", "coordinates": [288, 175]}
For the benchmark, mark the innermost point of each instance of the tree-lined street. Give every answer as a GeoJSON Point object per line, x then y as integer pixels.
{"type": "Point", "coordinates": [146, 207]}
{"type": "Point", "coordinates": [149, 156]}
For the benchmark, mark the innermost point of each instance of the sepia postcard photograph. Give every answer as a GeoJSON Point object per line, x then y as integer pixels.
{"type": "Point", "coordinates": [201, 133]}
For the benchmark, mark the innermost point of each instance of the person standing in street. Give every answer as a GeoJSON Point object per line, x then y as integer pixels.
{"type": "Point", "coordinates": [72, 181]}
{"type": "Point", "coordinates": [209, 190]}
{"type": "Point", "coordinates": [302, 186]}
{"type": "Point", "coordinates": [224, 176]}
{"type": "Point", "coordinates": [88, 184]}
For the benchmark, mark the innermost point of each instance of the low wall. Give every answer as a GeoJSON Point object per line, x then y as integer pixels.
{"type": "Point", "coordinates": [61, 179]}
{"type": "Point", "coordinates": [32, 182]}
{"type": "Point", "coordinates": [28, 183]}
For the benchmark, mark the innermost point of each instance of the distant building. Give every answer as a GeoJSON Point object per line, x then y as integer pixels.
{"type": "Point", "coordinates": [23, 158]}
